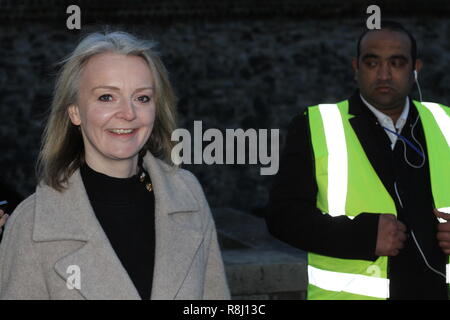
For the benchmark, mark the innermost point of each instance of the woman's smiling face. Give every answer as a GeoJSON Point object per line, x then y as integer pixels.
{"type": "Point", "coordinates": [115, 108]}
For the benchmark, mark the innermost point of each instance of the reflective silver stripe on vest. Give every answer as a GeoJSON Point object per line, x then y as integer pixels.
{"type": "Point", "coordinates": [441, 117]}
{"type": "Point", "coordinates": [447, 273]}
{"type": "Point", "coordinates": [443, 121]}
{"type": "Point", "coordinates": [337, 158]}
{"type": "Point", "coordinates": [445, 210]}
{"type": "Point", "coordinates": [348, 282]}
{"type": "Point", "coordinates": [371, 286]}
{"type": "Point", "coordinates": [447, 266]}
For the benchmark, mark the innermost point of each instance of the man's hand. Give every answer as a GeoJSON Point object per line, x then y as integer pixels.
{"type": "Point", "coordinates": [391, 235]}
{"type": "Point", "coordinates": [3, 218]}
{"type": "Point", "coordinates": [443, 231]}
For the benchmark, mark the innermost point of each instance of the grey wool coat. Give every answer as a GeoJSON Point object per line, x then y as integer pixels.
{"type": "Point", "coordinates": [55, 248]}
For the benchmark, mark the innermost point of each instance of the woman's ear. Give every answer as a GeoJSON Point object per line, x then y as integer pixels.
{"type": "Point", "coordinates": [74, 114]}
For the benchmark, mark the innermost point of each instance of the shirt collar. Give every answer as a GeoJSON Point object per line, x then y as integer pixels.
{"type": "Point", "coordinates": [383, 118]}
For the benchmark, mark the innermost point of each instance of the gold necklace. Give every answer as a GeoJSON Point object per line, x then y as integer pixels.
{"type": "Point", "coordinates": [148, 185]}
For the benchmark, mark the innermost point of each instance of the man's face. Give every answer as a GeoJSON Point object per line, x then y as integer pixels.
{"type": "Point", "coordinates": [385, 74]}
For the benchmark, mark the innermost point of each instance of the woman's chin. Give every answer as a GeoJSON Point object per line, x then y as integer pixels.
{"type": "Point", "coordinates": [124, 155]}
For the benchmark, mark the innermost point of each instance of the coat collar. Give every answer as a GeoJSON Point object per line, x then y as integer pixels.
{"type": "Point", "coordinates": [68, 215]}
{"type": "Point", "coordinates": [358, 108]}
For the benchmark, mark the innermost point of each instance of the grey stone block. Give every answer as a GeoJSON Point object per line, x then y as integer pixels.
{"type": "Point", "coordinates": [264, 272]}
{"type": "Point", "coordinates": [258, 266]}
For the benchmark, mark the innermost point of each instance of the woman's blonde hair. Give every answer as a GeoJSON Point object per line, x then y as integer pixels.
{"type": "Point", "coordinates": [62, 149]}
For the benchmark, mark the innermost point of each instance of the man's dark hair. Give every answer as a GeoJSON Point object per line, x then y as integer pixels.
{"type": "Point", "coordinates": [393, 26]}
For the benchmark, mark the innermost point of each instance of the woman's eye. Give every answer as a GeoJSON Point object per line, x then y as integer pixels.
{"type": "Point", "coordinates": [105, 98]}
{"type": "Point", "coordinates": [144, 99]}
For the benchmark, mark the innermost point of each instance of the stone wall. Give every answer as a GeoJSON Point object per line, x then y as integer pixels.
{"type": "Point", "coordinates": [236, 72]}
{"type": "Point", "coordinates": [170, 11]}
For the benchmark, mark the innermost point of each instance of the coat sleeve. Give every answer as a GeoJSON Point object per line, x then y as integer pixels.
{"type": "Point", "coordinates": [292, 215]}
{"type": "Point", "coordinates": [21, 275]}
{"type": "Point", "coordinates": [215, 285]}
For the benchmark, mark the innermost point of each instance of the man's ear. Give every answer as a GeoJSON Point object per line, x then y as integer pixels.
{"type": "Point", "coordinates": [419, 65]}
{"type": "Point", "coordinates": [355, 67]}
{"type": "Point", "coordinates": [74, 114]}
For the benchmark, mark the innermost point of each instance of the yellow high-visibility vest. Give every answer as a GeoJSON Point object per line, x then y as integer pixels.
{"type": "Point", "coordinates": [348, 185]}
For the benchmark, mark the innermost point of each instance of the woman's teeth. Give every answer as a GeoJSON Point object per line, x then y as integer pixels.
{"type": "Point", "coordinates": [121, 131]}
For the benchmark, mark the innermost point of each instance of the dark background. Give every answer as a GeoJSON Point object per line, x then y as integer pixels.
{"type": "Point", "coordinates": [234, 64]}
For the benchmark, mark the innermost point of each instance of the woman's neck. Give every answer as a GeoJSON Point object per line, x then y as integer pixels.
{"type": "Point", "coordinates": [115, 168]}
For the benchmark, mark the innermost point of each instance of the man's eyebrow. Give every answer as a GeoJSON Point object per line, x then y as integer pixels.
{"type": "Point", "coordinates": [399, 56]}
{"type": "Point", "coordinates": [369, 56]}
{"type": "Point", "coordinates": [375, 56]}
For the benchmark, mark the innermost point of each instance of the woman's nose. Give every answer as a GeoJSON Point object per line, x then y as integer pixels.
{"type": "Point", "coordinates": [127, 111]}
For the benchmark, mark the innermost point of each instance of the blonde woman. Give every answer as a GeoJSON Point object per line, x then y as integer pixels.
{"type": "Point", "coordinates": [112, 217]}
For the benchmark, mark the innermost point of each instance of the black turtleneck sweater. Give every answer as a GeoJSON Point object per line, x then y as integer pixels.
{"type": "Point", "coordinates": [126, 212]}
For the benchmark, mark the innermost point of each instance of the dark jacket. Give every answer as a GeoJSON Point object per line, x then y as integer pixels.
{"type": "Point", "coordinates": [292, 215]}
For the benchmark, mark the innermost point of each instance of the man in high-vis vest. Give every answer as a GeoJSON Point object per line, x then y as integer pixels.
{"type": "Point", "coordinates": [364, 184]}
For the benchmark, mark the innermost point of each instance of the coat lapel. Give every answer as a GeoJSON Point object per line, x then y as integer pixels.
{"type": "Point", "coordinates": [178, 236]}
{"type": "Point", "coordinates": [102, 274]}
{"type": "Point", "coordinates": [68, 216]}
